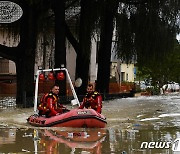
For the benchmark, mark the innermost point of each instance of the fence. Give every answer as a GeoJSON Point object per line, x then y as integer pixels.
{"type": "Point", "coordinates": [9, 89]}
{"type": "Point", "coordinates": [8, 93]}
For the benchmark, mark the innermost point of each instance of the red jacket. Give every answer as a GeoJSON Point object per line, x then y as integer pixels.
{"type": "Point", "coordinates": [49, 105]}
{"type": "Point", "coordinates": [93, 101]}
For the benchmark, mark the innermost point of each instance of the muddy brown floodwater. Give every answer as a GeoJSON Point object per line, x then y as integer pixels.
{"type": "Point", "coordinates": [139, 125]}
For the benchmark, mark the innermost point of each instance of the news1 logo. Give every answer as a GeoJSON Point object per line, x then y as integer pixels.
{"type": "Point", "coordinates": [176, 145]}
{"type": "Point", "coordinates": [162, 145]}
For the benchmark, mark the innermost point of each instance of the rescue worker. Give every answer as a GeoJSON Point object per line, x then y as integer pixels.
{"type": "Point", "coordinates": [49, 103]}
{"type": "Point", "coordinates": [92, 100]}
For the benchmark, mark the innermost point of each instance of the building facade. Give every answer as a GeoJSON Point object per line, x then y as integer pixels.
{"type": "Point", "coordinates": [120, 71]}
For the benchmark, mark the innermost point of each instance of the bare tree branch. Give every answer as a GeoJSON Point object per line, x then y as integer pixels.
{"type": "Point", "coordinates": [8, 52]}
{"type": "Point", "coordinates": [72, 39]}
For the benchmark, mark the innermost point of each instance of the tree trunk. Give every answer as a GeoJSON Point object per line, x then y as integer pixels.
{"type": "Point", "coordinates": [60, 50]}
{"type": "Point", "coordinates": [83, 57]}
{"type": "Point", "coordinates": [72, 39]}
{"type": "Point", "coordinates": [104, 53]}
{"type": "Point", "coordinates": [8, 52]}
{"type": "Point", "coordinates": [26, 57]}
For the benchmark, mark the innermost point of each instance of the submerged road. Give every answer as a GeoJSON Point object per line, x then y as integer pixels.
{"type": "Point", "coordinates": [133, 123]}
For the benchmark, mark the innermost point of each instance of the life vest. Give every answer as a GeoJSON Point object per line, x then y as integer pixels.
{"type": "Point", "coordinates": [43, 106]}
{"type": "Point", "coordinates": [93, 100]}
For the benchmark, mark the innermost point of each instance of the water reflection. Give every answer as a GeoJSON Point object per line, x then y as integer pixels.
{"type": "Point", "coordinates": [7, 136]}
{"type": "Point", "coordinates": [51, 141]}
{"type": "Point", "coordinates": [72, 141]}
{"type": "Point", "coordinates": [87, 140]}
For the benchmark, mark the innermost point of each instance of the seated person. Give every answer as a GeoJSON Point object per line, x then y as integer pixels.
{"type": "Point", "coordinates": [92, 100]}
{"type": "Point", "coordinates": [49, 103]}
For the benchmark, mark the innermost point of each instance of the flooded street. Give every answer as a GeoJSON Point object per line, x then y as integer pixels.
{"type": "Point", "coordinates": [139, 125]}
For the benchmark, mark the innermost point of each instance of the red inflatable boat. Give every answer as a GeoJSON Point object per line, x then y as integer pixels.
{"type": "Point", "coordinates": [75, 118]}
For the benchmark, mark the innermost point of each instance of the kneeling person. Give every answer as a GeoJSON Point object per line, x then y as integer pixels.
{"type": "Point", "coordinates": [49, 103]}
{"type": "Point", "coordinates": [92, 100]}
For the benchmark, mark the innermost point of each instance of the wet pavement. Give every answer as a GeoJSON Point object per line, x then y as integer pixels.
{"type": "Point", "coordinates": [139, 125]}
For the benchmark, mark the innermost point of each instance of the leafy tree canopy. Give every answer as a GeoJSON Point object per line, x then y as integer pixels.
{"type": "Point", "coordinates": [147, 29]}
{"type": "Point", "coordinates": [164, 70]}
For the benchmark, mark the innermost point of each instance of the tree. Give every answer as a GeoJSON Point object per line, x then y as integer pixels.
{"type": "Point", "coordinates": [167, 69]}
{"type": "Point", "coordinates": [89, 16]}
{"type": "Point", "coordinates": [85, 32]}
{"type": "Point", "coordinates": [60, 50]}
{"type": "Point", "coordinates": [104, 53]}
{"type": "Point", "coordinates": [147, 29]}
{"type": "Point", "coordinates": [24, 54]}
{"type": "Point", "coordinates": [25, 59]}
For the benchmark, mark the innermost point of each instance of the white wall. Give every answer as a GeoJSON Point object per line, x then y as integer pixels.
{"type": "Point", "coordinates": [128, 69]}
{"type": "Point", "coordinates": [8, 38]}
{"type": "Point", "coordinates": [12, 67]}
{"type": "Point", "coordinates": [71, 60]}
{"type": "Point", "coordinates": [125, 69]}
{"type": "Point", "coordinates": [93, 65]}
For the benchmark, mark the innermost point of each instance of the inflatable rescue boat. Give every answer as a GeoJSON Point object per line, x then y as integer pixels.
{"type": "Point", "coordinates": [75, 118]}
{"type": "Point", "coordinates": [79, 118]}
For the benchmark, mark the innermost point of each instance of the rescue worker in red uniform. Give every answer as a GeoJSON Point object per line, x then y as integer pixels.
{"type": "Point", "coordinates": [92, 100]}
{"type": "Point", "coordinates": [49, 103]}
